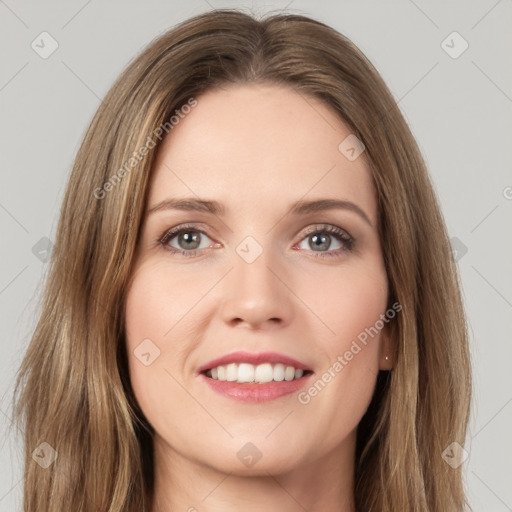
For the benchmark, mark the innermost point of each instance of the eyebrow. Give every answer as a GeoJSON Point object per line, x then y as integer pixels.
{"type": "Point", "coordinates": [298, 208]}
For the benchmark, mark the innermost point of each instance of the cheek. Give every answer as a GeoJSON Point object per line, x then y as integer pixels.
{"type": "Point", "coordinates": [350, 303]}
{"type": "Point", "coordinates": [157, 305]}
{"type": "Point", "coordinates": [156, 309]}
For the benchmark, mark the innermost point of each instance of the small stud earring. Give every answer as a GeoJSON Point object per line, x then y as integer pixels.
{"type": "Point", "coordinates": [387, 358]}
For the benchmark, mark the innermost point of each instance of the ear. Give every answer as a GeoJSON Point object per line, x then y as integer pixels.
{"type": "Point", "coordinates": [386, 350]}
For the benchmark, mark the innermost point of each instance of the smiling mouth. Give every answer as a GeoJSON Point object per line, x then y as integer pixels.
{"type": "Point", "coordinates": [246, 373]}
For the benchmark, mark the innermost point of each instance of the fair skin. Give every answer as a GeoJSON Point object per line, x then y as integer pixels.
{"type": "Point", "coordinates": [256, 149]}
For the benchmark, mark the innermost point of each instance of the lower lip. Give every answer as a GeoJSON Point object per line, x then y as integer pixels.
{"type": "Point", "coordinates": [255, 392]}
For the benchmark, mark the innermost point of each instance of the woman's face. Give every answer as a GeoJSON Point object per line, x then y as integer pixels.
{"type": "Point", "coordinates": [260, 267]}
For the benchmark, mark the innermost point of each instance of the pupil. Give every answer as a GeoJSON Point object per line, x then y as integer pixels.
{"type": "Point", "coordinates": [187, 238]}
{"type": "Point", "coordinates": [324, 241]}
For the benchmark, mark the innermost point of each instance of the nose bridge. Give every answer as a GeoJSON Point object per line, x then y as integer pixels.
{"type": "Point", "coordinates": [255, 293]}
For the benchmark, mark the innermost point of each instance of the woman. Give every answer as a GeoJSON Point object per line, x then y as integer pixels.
{"type": "Point", "coordinates": [307, 351]}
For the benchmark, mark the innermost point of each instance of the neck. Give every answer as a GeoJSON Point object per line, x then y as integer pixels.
{"type": "Point", "coordinates": [324, 484]}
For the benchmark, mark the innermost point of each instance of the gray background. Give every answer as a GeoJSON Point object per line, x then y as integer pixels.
{"type": "Point", "coordinates": [458, 109]}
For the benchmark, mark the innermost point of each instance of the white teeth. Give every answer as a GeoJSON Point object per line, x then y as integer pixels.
{"type": "Point", "coordinates": [231, 372]}
{"type": "Point", "coordinates": [246, 372]}
{"type": "Point", "coordinates": [279, 372]}
{"type": "Point", "coordinates": [264, 373]}
{"type": "Point", "coordinates": [261, 374]}
{"type": "Point", "coordinates": [289, 373]}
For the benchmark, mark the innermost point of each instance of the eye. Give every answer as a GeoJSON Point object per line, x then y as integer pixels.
{"type": "Point", "coordinates": [187, 239]}
{"type": "Point", "coordinates": [320, 240]}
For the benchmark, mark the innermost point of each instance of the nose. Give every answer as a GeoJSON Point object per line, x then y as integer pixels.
{"type": "Point", "coordinates": [257, 294]}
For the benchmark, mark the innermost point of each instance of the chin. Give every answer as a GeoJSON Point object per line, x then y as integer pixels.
{"type": "Point", "coordinates": [273, 464]}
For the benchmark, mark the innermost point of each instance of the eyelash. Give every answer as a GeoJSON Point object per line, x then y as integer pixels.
{"type": "Point", "coordinates": [339, 234]}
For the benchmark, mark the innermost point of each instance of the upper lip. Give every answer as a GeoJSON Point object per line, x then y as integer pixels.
{"type": "Point", "coordinates": [255, 359]}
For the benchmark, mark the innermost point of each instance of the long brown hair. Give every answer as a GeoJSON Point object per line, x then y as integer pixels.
{"type": "Point", "coordinates": [73, 389]}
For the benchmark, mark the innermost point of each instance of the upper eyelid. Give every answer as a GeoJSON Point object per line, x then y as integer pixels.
{"type": "Point", "coordinates": [172, 232]}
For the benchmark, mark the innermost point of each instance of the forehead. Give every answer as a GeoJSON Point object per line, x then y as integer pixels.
{"type": "Point", "coordinates": [258, 145]}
